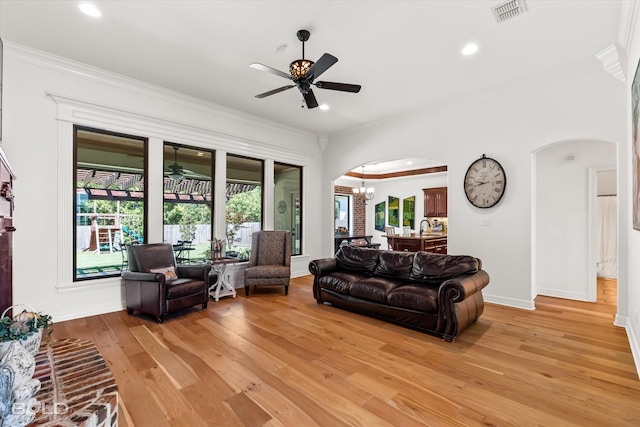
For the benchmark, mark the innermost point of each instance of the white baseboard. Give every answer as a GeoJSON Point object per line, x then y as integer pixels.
{"type": "Point", "coordinates": [633, 341]}
{"type": "Point", "coordinates": [510, 302]}
{"type": "Point", "coordinates": [557, 293]}
{"type": "Point", "coordinates": [91, 311]}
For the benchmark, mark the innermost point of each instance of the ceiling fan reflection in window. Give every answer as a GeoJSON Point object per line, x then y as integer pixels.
{"type": "Point", "coordinates": [177, 172]}
{"type": "Point", "coordinates": [303, 73]}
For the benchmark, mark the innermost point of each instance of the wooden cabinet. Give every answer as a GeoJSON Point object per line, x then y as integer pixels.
{"type": "Point", "coordinates": [435, 201]}
{"type": "Point", "coordinates": [438, 246]}
{"type": "Point", "coordinates": [410, 245]}
{"type": "Point", "coordinates": [413, 244]}
{"type": "Point", "coordinates": [6, 232]}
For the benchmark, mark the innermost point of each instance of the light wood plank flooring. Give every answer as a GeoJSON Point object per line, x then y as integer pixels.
{"type": "Point", "coordinates": [275, 360]}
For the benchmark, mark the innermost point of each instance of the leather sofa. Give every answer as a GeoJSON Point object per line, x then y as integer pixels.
{"type": "Point", "coordinates": [433, 293]}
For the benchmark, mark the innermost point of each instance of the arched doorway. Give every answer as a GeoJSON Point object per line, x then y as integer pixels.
{"type": "Point", "coordinates": [401, 179]}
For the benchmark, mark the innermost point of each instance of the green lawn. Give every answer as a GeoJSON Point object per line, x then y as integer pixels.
{"type": "Point", "coordinates": [89, 260]}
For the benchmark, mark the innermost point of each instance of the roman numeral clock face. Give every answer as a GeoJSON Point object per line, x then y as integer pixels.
{"type": "Point", "coordinates": [485, 182]}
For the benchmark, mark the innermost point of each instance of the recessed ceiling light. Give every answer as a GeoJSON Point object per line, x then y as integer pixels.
{"type": "Point", "coordinates": [409, 162]}
{"type": "Point", "coordinates": [89, 9]}
{"type": "Point", "coordinates": [324, 107]}
{"type": "Point", "coordinates": [470, 49]}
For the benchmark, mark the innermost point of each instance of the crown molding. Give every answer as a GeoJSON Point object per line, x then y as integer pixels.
{"type": "Point", "coordinates": [628, 20]}
{"type": "Point", "coordinates": [60, 64]}
{"type": "Point", "coordinates": [399, 174]}
{"type": "Point", "coordinates": [91, 113]}
{"type": "Point", "coordinates": [614, 61]}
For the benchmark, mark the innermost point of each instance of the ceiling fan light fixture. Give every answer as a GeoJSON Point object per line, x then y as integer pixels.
{"type": "Point", "coordinates": [300, 67]}
{"type": "Point", "coordinates": [177, 177]}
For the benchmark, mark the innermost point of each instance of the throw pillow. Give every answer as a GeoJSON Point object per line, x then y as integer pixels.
{"type": "Point", "coordinates": [169, 272]}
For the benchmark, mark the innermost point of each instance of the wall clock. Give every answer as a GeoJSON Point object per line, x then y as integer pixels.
{"type": "Point", "coordinates": [485, 182]}
{"type": "Point", "coordinates": [282, 206]}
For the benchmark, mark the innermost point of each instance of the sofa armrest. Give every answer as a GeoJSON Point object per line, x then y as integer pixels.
{"type": "Point", "coordinates": [461, 287]}
{"type": "Point", "coordinates": [319, 268]}
{"type": "Point", "coordinates": [142, 277]}
{"type": "Point", "coordinates": [322, 267]}
{"type": "Point", "coordinates": [460, 301]}
{"type": "Point", "coordinates": [193, 271]}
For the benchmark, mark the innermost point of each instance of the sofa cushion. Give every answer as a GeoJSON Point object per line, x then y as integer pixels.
{"type": "Point", "coordinates": [435, 268]}
{"type": "Point", "coordinates": [394, 264]}
{"type": "Point", "coordinates": [373, 288]}
{"type": "Point", "coordinates": [340, 281]}
{"type": "Point", "coordinates": [415, 297]}
{"type": "Point", "coordinates": [266, 272]}
{"type": "Point", "coordinates": [184, 287]}
{"type": "Point", "coordinates": [357, 259]}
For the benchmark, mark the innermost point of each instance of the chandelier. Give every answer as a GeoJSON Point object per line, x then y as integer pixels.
{"type": "Point", "coordinates": [367, 192]}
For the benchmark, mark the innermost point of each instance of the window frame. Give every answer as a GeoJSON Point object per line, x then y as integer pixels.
{"type": "Point", "coordinates": [74, 217]}
{"type": "Point", "coordinates": [212, 166]}
{"type": "Point", "coordinates": [301, 207]}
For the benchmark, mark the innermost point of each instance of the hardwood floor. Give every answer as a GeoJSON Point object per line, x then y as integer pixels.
{"type": "Point", "coordinates": [275, 360]}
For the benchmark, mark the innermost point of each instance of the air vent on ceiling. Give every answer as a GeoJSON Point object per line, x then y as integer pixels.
{"type": "Point", "coordinates": [508, 9]}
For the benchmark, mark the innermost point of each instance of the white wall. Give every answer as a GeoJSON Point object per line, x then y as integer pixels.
{"type": "Point", "coordinates": [562, 230]}
{"type": "Point", "coordinates": [44, 96]}
{"type": "Point", "coordinates": [607, 184]}
{"type": "Point", "coordinates": [629, 310]}
{"type": "Point", "coordinates": [507, 123]}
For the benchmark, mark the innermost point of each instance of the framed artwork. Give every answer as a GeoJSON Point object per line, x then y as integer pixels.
{"type": "Point", "coordinates": [394, 211]}
{"type": "Point", "coordinates": [0, 90]}
{"type": "Point", "coordinates": [380, 216]}
{"type": "Point", "coordinates": [409, 211]}
{"type": "Point", "coordinates": [635, 155]}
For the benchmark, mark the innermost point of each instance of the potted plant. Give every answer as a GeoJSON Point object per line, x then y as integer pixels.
{"type": "Point", "coordinates": [26, 327]}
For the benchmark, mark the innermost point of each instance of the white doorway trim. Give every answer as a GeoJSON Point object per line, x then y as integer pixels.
{"type": "Point", "coordinates": [592, 217]}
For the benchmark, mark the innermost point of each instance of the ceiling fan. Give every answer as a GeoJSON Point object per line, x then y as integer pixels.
{"type": "Point", "coordinates": [176, 172]}
{"type": "Point", "coordinates": [303, 73]}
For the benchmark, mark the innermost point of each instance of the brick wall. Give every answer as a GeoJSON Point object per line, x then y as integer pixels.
{"type": "Point", "coordinates": [359, 209]}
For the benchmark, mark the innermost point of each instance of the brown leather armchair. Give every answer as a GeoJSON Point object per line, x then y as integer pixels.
{"type": "Point", "coordinates": [155, 285]}
{"type": "Point", "coordinates": [270, 261]}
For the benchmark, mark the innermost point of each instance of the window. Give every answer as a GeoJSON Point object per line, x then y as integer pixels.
{"type": "Point", "coordinates": [342, 213]}
{"type": "Point", "coordinates": [288, 203]}
{"type": "Point", "coordinates": [187, 201]}
{"type": "Point", "coordinates": [109, 207]}
{"type": "Point", "coordinates": [244, 203]}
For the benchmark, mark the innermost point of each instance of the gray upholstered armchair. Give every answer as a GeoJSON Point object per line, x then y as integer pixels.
{"type": "Point", "coordinates": [270, 261]}
{"type": "Point", "coordinates": [155, 285]}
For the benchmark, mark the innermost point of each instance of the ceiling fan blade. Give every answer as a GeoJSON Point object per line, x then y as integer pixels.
{"type": "Point", "coordinates": [344, 87]}
{"type": "Point", "coordinates": [310, 99]}
{"type": "Point", "coordinates": [195, 175]}
{"type": "Point", "coordinates": [261, 67]}
{"type": "Point", "coordinates": [323, 64]}
{"type": "Point", "coordinates": [273, 92]}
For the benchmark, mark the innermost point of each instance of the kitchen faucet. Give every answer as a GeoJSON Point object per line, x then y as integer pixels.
{"type": "Point", "coordinates": [428, 225]}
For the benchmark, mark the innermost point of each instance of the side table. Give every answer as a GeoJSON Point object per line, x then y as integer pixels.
{"type": "Point", "coordinates": [223, 286]}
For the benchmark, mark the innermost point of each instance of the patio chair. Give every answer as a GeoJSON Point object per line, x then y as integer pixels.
{"type": "Point", "coordinates": [123, 253]}
{"type": "Point", "coordinates": [183, 254]}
